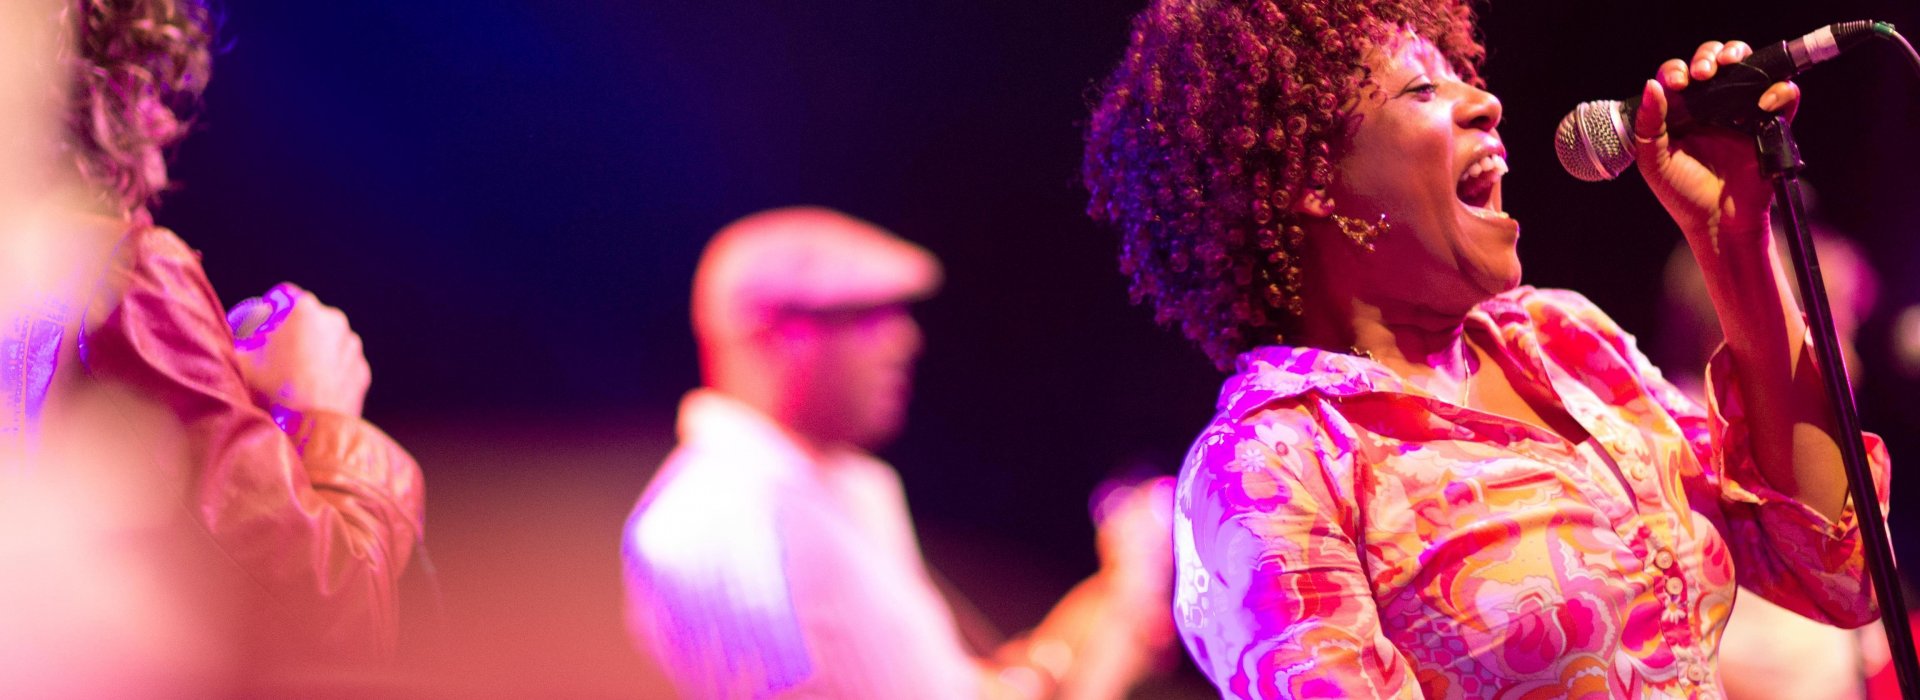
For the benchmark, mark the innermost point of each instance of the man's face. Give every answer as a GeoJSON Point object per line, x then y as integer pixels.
{"type": "Point", "coordinates": [852, 370]}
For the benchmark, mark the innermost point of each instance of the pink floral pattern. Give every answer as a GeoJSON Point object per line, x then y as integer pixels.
{"type": "Point", "coordinates": [1340, 534]}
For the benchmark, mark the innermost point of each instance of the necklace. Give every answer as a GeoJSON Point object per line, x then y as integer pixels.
{"type": "Point", "coordinates": [1466, 381]}
{"type": "Point", "coordinates": [1460, 358]}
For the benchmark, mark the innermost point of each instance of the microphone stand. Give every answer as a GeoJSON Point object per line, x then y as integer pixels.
{"type": "Point", "coordinates": [1780, 160]}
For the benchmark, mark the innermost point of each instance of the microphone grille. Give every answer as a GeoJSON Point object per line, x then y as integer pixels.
{"type": "Point", "coordinates": [1592, 141]}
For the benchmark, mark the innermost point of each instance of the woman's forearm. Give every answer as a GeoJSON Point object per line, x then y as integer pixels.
{"type": "Point", "coordinates": [1791, 423]}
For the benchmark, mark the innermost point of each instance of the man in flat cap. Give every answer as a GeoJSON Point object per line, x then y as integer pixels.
{"type": "Point", "coordinates": [773, 556]}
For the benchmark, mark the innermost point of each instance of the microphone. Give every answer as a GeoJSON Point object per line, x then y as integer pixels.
{"type": "Point", "coordinates": [1593, 140]}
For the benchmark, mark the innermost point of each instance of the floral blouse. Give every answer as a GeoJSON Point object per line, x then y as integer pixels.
{"type": "Point", "coordinates": [1339, 533]}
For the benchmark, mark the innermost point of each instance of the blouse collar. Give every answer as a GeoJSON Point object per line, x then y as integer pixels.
{"type": "Point", "coordinates": [1272, 373]}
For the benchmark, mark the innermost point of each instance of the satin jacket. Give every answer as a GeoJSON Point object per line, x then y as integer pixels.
{"type": "Point", "coordinates": [316, 515]}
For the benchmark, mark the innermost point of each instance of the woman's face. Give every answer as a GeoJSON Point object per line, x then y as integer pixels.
{"type": "Point", "coordinates": [1423, 149]}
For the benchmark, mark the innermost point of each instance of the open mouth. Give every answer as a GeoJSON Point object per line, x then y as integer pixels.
{"type": "Point", "coordinates": [1476, 186]}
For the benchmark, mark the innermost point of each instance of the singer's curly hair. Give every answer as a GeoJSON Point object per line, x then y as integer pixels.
{"type": "Point", "coordinates": [138, 69]}
{"type": "Point", "coordinates": [1218, 116]}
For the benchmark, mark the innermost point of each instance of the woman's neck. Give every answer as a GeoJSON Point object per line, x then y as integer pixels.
{"type": "Point", "coordinates": [1426, 346]}
{"type": "Point", "coordinates": [1406, 333]}
{"type": "Point", "coordinates": [1423, 339]}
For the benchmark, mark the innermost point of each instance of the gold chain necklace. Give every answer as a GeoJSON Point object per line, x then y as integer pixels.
{"type": "Point", "coordinates": [1459, 353]}
{"type": "Point", "coordinates": [1466, 383]}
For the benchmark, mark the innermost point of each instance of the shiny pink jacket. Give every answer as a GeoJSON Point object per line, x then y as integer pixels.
{"type": "Point", "coordinates": [317, 513]}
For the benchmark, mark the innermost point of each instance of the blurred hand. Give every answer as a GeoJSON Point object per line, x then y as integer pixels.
{"type": "Point", "coordinates": [299, 353]}
{"type": "Point", "coordinates": [1710, 181]}
{"type": "Point", "coordinates": [1114, 628]}
{"type": "Point", "coordinates": [1134, 523]}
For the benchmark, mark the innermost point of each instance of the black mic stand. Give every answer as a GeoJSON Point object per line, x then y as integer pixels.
{"type": "Point", "coordinates": [1780, 160]}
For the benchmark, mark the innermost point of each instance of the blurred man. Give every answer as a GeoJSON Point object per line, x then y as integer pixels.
{"type": "Point", "coordinates": [773, 555]}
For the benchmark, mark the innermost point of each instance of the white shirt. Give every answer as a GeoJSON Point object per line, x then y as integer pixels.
{"type": "Point", "coordinates": [756, 568]}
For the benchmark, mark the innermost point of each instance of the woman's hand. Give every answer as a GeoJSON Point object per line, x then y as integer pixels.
{"type": "Point", "coordinates": [298, 353]}
{"type": "Point", "coordinates": [1710, 180]}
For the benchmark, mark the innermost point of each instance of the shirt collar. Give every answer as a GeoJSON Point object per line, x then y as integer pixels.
{"type": "Point", "coordinates": [707, 414]}
{"type": "Point", "coordinates": [1278, 372]}
{"type": "Point", "coordinates": [1272, 373]}
{"type": "Point", "coordinates": [713, 420]}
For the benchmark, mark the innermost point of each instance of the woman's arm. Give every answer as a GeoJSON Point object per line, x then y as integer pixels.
{"type": "Point", "coordinates": [1271, 594]}
{"type": "Point", "coordinates": [1782, 548]}
{"type": "Point", "coordinates": [1710, 182]}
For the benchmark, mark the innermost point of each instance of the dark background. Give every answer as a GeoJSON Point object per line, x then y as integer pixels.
{"type": "Point", "coordinates": [508, 199]}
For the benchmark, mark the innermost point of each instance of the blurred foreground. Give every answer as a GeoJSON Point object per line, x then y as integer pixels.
{"type": "Point", "coordinates": [524, 531]}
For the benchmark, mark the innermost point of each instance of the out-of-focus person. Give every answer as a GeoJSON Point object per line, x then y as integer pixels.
{"type": "Point", "coordinates": [773, 556]}
{"type": "Point", "coordinates": [81, 615]}
{"type": "Point", "coordinates": [239, 468]}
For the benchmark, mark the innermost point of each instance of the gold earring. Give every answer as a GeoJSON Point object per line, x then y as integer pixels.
{"type": "Point", "coordinates": [1362, 232]}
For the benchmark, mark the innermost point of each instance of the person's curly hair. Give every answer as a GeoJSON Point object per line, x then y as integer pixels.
{"type": "Point", "coordinates": [1221, 114]}
{"type": "Point", "coordinates": [138, 69]}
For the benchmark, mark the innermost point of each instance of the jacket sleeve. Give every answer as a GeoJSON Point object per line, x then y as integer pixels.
{"type": "Point", "coordinates": [321, 517]}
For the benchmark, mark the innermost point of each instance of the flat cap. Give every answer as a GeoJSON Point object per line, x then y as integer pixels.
{"type": "Point", "coordinates": [799, 259]}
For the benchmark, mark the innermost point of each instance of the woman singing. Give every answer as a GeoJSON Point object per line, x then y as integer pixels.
{"type": "Point", "coordinates": [1424, 479]}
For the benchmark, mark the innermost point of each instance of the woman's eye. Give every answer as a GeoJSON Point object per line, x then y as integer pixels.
{"type": "Point", "coordinates": [1423, 91]}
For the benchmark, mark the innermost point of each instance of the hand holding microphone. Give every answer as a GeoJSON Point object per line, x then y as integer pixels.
{"type": "Point", "coordinates": [1708, 179]}
{"type": "Point", "coordinates": [298, 354]}
{"type": "Point", "coordinates": [1594, 140]}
